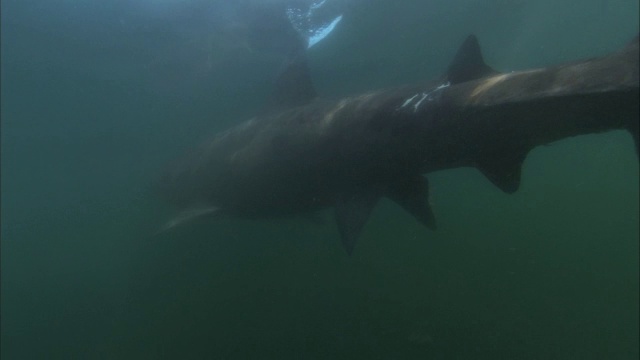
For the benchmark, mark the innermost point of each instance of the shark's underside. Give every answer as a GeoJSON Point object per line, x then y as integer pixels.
{"type": "Point", "coordinates": [305, 153]}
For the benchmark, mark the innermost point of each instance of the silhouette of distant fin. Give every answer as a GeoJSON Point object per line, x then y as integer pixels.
{"type": "Point", "coordinates": [187, 216]}
{"type": "Point", "coordinates": [293, 87]}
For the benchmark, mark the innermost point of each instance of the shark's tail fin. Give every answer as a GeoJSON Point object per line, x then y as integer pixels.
{"type": "Point", "coordinates": [632, 54]}
{"type": "Point", "coordinates": [635, 134]}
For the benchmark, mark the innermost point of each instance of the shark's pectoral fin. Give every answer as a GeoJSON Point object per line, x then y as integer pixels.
{"type": "Point", "coordinates": [504, 171]}
{"type": "Point", "coordinates": [412, 194]}
{"type": "Point", "coordinates": [351, 215]}
{"type": "Point", "coordinates": [188, 215]}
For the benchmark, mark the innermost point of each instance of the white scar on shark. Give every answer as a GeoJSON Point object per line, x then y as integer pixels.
{"type": "Point", "coordinates": [425, 95]}
{"type": "Point", "coordinates": [406, 102]}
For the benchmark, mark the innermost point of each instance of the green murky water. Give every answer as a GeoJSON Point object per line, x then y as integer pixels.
{"type": "Point", "coordinates": [548, 273]}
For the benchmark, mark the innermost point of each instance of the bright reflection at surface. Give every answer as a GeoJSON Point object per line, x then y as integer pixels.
{"type": "Point", "coordinates": [307, 25]}
{"type": "Point", "coordinates": [322, 32]}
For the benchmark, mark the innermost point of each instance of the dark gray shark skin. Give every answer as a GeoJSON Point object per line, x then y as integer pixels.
{"type": "Point", "coordinates": [309, 153]}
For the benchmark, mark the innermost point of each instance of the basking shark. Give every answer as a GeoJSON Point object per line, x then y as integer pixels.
{"type": "Point", "coordinates": [305, 153]}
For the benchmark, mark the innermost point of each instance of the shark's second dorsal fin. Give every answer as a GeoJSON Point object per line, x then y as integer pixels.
{"type": "Point", "coordinates": [351, 213]}
{"type": "Point", "coordinates": [412, 193]}
{"type": "Point", "coordinates": [468, 63]}
{"type": "Point", "coordinates": [293, 86]}
{"type": "Point", "coordinates": [503, 170]}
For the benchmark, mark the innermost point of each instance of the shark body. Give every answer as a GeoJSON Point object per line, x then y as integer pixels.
{"type": "Point", "coordinates": [307, 153]}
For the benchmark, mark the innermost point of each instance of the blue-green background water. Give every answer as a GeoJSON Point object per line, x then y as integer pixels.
{"type": "Point", "coordinates": [97, 96]}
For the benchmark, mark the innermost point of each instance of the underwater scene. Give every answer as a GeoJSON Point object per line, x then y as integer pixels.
{"type": "Point", "coordinates": [319, 179]}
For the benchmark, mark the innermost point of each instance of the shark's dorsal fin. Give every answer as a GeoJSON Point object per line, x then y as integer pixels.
{"type": "Point", "coordinates": [468, 63]}
{"type": "Point", "coordinates": [293, 86]}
